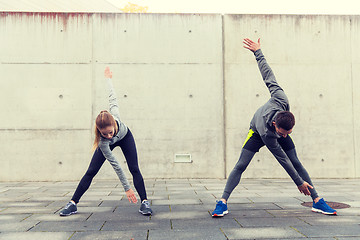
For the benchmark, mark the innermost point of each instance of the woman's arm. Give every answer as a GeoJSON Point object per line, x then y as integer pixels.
{"type": "Point", "coordinates": [113, 105]}
{"type": "Point", "coordinates": [105, 149]}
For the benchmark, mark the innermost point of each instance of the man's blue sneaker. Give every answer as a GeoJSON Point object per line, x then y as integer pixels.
{"type": "Point", "coordinates": [220, 209]}
{"type": "Point", "coordinates": [322, 207]}
{"type": "Point", "coordinates": [69, 209]}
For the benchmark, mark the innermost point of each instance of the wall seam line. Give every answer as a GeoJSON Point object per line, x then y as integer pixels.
{"type": "Point", "coordinates": [352, 99]}
{"type": "Point", "coordinates": [224, 92]}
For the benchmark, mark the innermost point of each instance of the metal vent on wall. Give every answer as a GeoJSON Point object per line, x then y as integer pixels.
{"type": "Point", "coordinates": [182, 158]}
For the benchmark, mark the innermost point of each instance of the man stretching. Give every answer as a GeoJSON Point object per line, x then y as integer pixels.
{"type": "Point", "coordinates": [271, 125]}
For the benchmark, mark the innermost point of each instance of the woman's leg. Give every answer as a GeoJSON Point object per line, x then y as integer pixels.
{"type": "Point", "coordinates": [128, 147]}
{"type": "Point", "coordinates": [94, 167]}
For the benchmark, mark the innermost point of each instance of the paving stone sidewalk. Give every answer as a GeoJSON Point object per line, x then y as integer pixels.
{"type": "Point", "coordinates": [258, 209]}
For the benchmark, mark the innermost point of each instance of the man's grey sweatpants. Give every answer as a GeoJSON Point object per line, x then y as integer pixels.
{"type": "Point", "coordinates": [244, 160]}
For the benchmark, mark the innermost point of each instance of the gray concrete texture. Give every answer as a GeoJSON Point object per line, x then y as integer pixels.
{"type": "Point", "coordinates": [184, 85]}
{"type": "Point", "coordinates": [258, 209]}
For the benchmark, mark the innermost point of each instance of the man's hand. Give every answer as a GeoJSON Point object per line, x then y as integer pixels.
{"type": "Point", "coordinates": [108, 73]}
{"type": "Point", "coordinates": [304, 188]}
{"type": "Point", "coordinates": [131, 196]}
{"type": "Point", "coordinates": [252, 46]}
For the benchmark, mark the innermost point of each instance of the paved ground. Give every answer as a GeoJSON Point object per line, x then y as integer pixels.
{"type": "Point", "coordinates": [259, 209]}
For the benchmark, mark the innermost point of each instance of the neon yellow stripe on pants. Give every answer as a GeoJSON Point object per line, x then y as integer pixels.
{"type": "Point", "coordinates": [251, 132]}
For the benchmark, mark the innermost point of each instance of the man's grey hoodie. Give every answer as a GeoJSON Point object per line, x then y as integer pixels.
{"type": "Point", "coordinates": [262, 121]}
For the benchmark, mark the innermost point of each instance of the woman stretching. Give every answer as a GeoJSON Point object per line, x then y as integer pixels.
{"type": "Point", "coordinates": [110, 132]}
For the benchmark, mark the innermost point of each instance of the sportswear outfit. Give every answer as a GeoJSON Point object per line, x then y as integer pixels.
{"type": "Point", "coordinates": [123, 139]}
{"type": "Point", "coordinates": [263, 133]}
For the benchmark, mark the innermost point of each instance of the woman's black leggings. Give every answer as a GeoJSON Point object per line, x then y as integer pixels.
{"type": "Point", "coordinates": [128, 147]}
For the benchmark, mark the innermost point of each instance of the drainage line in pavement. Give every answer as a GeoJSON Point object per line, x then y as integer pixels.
{"type": "Point", "coordinates": [58, 210]}
{"type": "Point", "coordinates": [250, 200]}
{"type": "Point", "coordinates": [65, 194]}
{"type": "Point", "coordinates": [49, 203]}
{"type": "Point", "coordinates": [27, 217]}
{"type": "Point", "coordinates": [114, 209]}
{"type": "Point", "coordinates": [224, 233]}
{"type": "Point", "coordinates": [89, 216]}
{"type": "Point", "coordinates": [238, 222]}
{"type": "Point", "coordinates": [298, 231]}
{"type": "Point", "coordinates": [269, 213]}
{"type": "Point", "coordinates": [303, 220]}
{"type": "Point", "coordinates": [33, 226]}
{"type": "Point", "coordinates": [71, 235]}
{"type": "Point", "coordinates": [102, 226]}
{"type": "Point", "coordinates": [278, 206]}
{"type": "Point", "coordinates": [4, 209]}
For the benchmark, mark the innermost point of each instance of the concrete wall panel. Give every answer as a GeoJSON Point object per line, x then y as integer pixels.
{"type": "Point", "coordinates": [46, 96]}
{"type": "Point", "coordinates": [295, 39]}
{"type": "Point", "coordinates": [356, 114]}
{"type": "Point", "coordinates": [158, 38]}
{"type": "Point", "coordinates": [44, 155]}
{"type": "Point", "coordinates": [355, 75]}
{"type": "Point", "coordinates": [45, 38]}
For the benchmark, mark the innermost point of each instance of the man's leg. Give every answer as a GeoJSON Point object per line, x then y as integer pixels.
{"type": "Point", "coordinates": [235, 175]}
{"type": "Point", "coordinates": [251, 145]}
{"type": "Point", "coordinates": [302, 171]}
{"type": "Point", "coordinates": [319, 205]}
{"type": "Point", "coordinates": [288, 146]}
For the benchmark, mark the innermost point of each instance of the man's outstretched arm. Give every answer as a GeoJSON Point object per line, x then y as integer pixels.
{"type": "Point", "coordinates": [252, 46]}
{"type": "Point", "coordinates": [266, 72]}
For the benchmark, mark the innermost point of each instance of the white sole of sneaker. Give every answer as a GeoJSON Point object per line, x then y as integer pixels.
{"type": "Point", "coordinates": [146, 214]}
{"type": "Point", "coordinates": [65, 215]}
{"type": "Point", "coordinates": [220, 215]}
{"type": "Point", "coordinates": [321, 211]}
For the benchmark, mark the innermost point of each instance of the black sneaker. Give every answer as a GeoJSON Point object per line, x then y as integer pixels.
{"type": "Point", "coordinates": [145, 208]}
{"type": "Point", "coordinates": [69, 209]}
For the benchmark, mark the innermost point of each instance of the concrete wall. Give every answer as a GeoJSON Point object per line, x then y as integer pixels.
{"type": "Point", "coordinates": [184, 85]}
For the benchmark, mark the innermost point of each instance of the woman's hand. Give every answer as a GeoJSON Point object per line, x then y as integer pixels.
{"type": "Point", "coordinates": [252, 46]}
{"type": "Point", "coordinates": [131, 196]}
{"type": "Point", "coordinates": [108, 73]}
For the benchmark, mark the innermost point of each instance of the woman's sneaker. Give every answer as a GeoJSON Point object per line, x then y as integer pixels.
{"type": "Point", "coordinates": [145, 208]}
{"type": "Point", "coordinates": [220, 209]}
{"type": "Point", "coordinates": [69, 209]}
{"type": "Point", "coordinates": [322, 207]}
